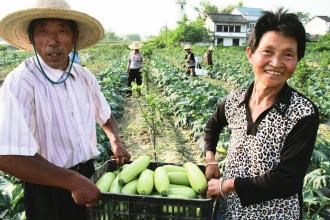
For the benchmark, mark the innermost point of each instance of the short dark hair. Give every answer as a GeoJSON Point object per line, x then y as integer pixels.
{"type": "Point", "coordinates": [286, 23]}
{"type": "Point", "coordinates": [72, 24]}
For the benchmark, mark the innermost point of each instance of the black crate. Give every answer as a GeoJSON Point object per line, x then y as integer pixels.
{"type": "Point", "coordinates": [114, 206]}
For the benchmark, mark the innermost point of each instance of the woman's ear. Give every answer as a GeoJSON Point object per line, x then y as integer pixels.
{"type": "Point", "coordinates": [249, 54]}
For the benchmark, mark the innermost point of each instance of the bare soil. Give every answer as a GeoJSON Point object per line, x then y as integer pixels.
{"type": "Point", "coordinates": [173, 145]}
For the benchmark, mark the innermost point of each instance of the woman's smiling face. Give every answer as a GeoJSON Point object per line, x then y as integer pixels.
{"type": "Point", "coordinates": [275, 59]}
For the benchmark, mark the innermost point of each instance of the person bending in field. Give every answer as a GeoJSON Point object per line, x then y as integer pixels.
{"type": "Point", "coordinates": [273, 129]}
{"type": "Point", "coordinates": [208, 57]}
{"type": "Point", "coordinates": [49, 107]}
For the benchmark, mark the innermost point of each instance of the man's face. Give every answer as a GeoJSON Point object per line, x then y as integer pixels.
{"type": "Point", "coordinates": [275, 59]}
{"type": "Point", "coordinates": [54, 40]}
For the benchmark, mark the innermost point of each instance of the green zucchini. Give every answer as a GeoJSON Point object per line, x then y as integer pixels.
{"type": "Point", "coordinates": [179, 178]}
{"type": "Point", "coordinates": [130, 188]}
{"type": "Point", "coordinates": [146, 182]}
{"type": "Point", "coordinates": [116, 187]}
{"type": "Point", "coordinates": [173, 168]}
{"type": "Point", "coordinates": [134, 169]}
{"type": "Point", "coordinates": [183, 191]}
{"type": "Point", "coordinates": [105, 181]}
{"type": "Point", "coordinates": [196, 177]}
{"type": "Point", "coordinates": [161, 181]}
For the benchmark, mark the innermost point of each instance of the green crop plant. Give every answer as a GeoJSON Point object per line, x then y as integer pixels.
{"type": "Point", "coordinates": [152, 109]}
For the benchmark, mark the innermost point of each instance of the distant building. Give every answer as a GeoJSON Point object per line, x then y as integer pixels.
{"type": "Point", "coordinates": [227, 29]}
{"type": "Point", "coordinates": [250, 14]}
{"type": "Point", "coordinates": [181, 9]}
{"type": "Point", "coordinates": [318, 25]}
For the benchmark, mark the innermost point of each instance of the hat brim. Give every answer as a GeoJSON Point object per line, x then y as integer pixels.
{"type": "Point", "coordinates": [14, 27]}
{"type": "Point", "coordinates": [134, 47]}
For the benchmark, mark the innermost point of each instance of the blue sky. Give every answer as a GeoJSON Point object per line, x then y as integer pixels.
{"type": "Point", "coordinates": [146, 17]}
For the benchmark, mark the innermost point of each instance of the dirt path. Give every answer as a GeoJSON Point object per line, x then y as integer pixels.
{"type": "Point", "coordinates": [173, 145]}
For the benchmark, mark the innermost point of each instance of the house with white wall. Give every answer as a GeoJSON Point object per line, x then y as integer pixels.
{"type": "Point", "coordinates": [250, 14]}
{"type": "Point", "coordinates": [227, 29]}
{"type": "Point", "coordinates": [318, 25]}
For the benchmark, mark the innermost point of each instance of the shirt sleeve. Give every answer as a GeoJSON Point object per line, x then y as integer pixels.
{"type": "Point", "coordinates": [287, 178]}
{"type": "Point", "coordinates": [102, 107]}
{"type": "Point", "coordinates": [129, 58]}
{"type": "Point", "coordinates": [16, 135]}
{"type": "Point", "coordinates": [214, 126]}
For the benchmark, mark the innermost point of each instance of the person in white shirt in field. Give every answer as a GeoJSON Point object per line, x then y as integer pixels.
{"type": "Point", "coordinates": [135, 62]}
{"type": "Point", "coordinates": [49, 107]}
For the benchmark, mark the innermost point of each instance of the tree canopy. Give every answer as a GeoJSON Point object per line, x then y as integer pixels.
{"type": "Point", "coordinates": [186, 31]}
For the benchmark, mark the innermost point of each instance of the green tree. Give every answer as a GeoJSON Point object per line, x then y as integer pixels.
{"type": "Point", "coordinates": [303, 16]}
{"type": "Point", "coordinates": [229, 8]}
{"type": "Point", "coordinates": [187, 31]}
{"type": "Point", "coordinates": [110, 36]}
{"type": "Point", "coordinates": [133, 37]}
{"type": "Point", "coordinates": [207, 7]}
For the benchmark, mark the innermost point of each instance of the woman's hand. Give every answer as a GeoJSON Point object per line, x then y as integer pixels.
{"type": "Point", "coordinates": [217, 188]}
{"type": "Point", "coordinates": [213, 189]}
{"type": "Point", "coordinates": [212, 171]}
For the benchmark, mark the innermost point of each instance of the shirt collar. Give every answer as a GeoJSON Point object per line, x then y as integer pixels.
{"type": "Point", "coordinates": [53, 74]}
{"type": "Point", "coordinates": [282, 102]}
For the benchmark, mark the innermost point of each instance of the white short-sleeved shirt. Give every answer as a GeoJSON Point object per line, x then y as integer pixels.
{"type": "Point", "coordinates": [136, 60]}
{"type": "Point", "coordinates": [58, 121]}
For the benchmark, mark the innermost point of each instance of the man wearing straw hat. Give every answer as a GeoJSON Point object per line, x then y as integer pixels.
{"type": "Point", "coordinates": [135, 61]}
{"type": "Point", "coordinates": [48, 110]}
{"type": "Point", "coordinates": [189, 61]}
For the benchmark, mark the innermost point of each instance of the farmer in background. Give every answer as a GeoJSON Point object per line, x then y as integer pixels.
{"type": "Point", "coordinates": [49, 107]}
{"type": "Point", "coordinates": [208, 56]}
{"type": "Point", "coordinates": [135, 61]}
{"type": "Point", "coordinates": [273, 129]}
{"type": "Point", "coordinates": [190, 62]}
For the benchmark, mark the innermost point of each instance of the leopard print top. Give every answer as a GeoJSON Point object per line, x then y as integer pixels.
{"type": "Point", "coordinates": [250, 155]}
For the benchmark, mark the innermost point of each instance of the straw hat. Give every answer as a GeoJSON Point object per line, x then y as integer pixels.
{"type": "Point", "coordinates": [135, 45]}
{"type": "Point", "coordinates": [187, 47]}
{"type": "Point", "coordinates": [14, 26]}
{"type": "Point", "coordinates": [211, 48]}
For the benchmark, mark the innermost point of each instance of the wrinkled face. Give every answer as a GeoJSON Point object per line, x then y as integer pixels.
{"type": "Point", "coordinates": [274, 60]}
{"type": "Point", "coordinates": [54, 41]}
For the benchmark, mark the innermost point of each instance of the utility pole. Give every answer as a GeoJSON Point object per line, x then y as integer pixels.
{"type": "Point", "coordinates": [166, 34]}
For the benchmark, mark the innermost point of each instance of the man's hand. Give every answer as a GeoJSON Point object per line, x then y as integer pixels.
{"type": "Point", "coordinates": [120, 153]}
{"type": "Point", "coordinates": [117, 147]}
{"type": "Point", "coordinates": [84, 192]}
